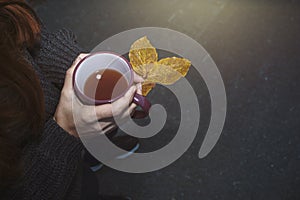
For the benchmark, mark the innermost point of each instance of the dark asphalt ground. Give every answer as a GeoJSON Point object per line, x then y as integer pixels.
{"type": "Point", "coordinates": [256, 46]}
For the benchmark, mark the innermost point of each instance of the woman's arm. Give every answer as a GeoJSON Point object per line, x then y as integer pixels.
{"type": "Point", "coordinates": [57, 53]}
{"type": "Point", "coordinates": [50, 165]}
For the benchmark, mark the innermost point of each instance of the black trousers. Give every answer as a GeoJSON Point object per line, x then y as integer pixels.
{"type": "Point", "coordinates": [90, 185]}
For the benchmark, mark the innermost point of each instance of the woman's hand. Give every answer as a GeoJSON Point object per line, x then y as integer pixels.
{"type": "Point", "coordinates": [91, 119]}
{"type": "Point", "coordinates": [137, 78]}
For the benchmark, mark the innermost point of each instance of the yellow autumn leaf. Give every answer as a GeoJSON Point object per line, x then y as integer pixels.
{"type": "Point", "coordinates": [147, 87]}
{"type": "Point", "coordinates": [162, 74]}
{"type": "Point", "coordinates": [142, 52]}
{"type": "Point", "coordinates": [181, 65]}
{"type": "Point", "coordinates": [144, 60]}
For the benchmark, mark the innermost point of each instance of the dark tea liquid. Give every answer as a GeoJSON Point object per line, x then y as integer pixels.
{"type": "Point", "coordinates": [105, 84]}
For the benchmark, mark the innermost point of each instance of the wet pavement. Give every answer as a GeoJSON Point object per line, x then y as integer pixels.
{"type": "Point", "coordinates": [256, 46]}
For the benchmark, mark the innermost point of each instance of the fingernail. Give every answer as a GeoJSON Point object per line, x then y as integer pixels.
{"type": "Point", "coordinates": [139, 86]}
{"type": "Point", "coordinates": [133, 88]}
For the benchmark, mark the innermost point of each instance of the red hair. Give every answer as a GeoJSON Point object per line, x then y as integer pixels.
{"type": "Point", "coordinates": [21, 97]}
{"type": "Point", "coordinates": [19, 23]}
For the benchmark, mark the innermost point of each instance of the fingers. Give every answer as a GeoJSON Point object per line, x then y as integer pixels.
{"type": "Point", "coordinates": [122, 104]}
{"type": "Point", "coordinates": [109, 128]}
{"type": "Point", "coordinates": [106, 114]}
{"type": "Point", "coordinates": [104, 111]}
{"type": "Point", "coordinates": [105, 126]}
{"type": "Point", "coordinates": [131, 109]}
{"type": "Point", "coordinates": [76, 61]}
{"type": "Point", "coordinates": [137, 78]}
{"type": "Point", "coordinates": [129, 94]}
{"type": "Point", "coordinates": [118, 110]}
{"type": "Point", "coordinates": [139, 88]}
{"type": "Point", "coordinates": [69, 73]}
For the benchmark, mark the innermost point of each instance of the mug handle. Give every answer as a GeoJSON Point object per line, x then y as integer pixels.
{"type": "Point", "coordinates": [143, 102]}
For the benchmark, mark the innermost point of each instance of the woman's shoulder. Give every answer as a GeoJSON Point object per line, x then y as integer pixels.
{"type": "Point", "coordinates": [63, 34]}
{"type": "Point", "coordinates": [58, 48]}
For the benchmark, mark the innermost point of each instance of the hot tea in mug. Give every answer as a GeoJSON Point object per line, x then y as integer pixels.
{"type": "Point", "coordinates": [105, 84]}
{"type": "Point", "coordinates": [103, 78]}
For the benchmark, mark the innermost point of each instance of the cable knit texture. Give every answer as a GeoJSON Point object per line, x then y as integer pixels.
{"type": "Point", "coordinates": [55, 61]}
{"type": "Point", "coordinates": [52, 165]}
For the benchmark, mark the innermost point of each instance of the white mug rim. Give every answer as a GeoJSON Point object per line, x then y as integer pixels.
{"type": "Point", "coordinates": [87, 99]}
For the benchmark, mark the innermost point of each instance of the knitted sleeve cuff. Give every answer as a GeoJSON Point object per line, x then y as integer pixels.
{"type": "Point", "coordinates": [57, 143]}
{"type": "Point", "coordinates": [57, 53]}
{"type": "Point", "coordinates": [50, 165]}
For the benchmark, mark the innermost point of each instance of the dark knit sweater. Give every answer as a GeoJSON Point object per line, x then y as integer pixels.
{"type": "Point", "coordinates": [52, 165]}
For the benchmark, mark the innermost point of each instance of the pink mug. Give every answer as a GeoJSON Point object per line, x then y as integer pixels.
{"type": "Point", "coordinates": [101, 61]}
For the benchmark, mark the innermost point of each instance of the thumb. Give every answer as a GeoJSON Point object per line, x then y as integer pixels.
{"type": "Point", "coordinates": [128, 97]}
{"type": "Point", "coordinates": [69, 73]}
{"type": "Point", "coordinates": [137, 78]}
{"type": "Point", "coordinates": [123, 103]}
